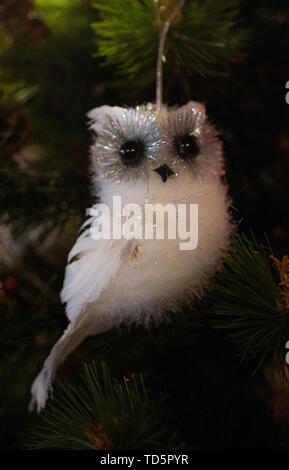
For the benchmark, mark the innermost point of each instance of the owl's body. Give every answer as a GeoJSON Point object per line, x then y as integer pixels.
{"type": "Point", "coordinates": [109, 282]}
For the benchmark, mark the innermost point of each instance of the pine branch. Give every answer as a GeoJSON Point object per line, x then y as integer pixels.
{"type": "Point", "coordinates": [102, 413]}
{"type": "Point", "coordinates": [203, 40]}
{"type": "Point", "coordinates": [247, 296]}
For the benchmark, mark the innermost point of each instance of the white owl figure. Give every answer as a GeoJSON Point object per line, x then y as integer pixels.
{"type": "Point", "coordinates": [171, 155]}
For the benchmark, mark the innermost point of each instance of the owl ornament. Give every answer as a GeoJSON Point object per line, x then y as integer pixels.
{"type": "Point", "coordinates": [143, 155]}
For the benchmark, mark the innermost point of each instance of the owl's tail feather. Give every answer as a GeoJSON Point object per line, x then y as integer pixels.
{"type": "Point", "coordinates": [75, 333]}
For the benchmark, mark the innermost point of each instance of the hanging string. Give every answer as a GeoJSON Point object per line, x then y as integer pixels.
{"type": "Point", "coordinates": [162, 41]}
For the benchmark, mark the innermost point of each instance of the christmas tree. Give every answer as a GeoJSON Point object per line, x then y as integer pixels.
{"type": "Point", "coordinates": [215, 376]}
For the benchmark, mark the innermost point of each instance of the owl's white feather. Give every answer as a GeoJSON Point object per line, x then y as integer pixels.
{"type": "Point", "coordinates": [107, 284]}
{"type": "Point", "coordinates": [96, 263]}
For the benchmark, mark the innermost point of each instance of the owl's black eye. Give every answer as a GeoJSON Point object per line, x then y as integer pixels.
{"type": "Point", "coordinates": [132, 152]}
{"type": "Point", "coordinates": [187, 147]}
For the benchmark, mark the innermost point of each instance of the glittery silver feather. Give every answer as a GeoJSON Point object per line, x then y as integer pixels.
{"type": "Point", "coordinates": [133, 124]}
{"type": "Point", "coordinates": [190, 120]}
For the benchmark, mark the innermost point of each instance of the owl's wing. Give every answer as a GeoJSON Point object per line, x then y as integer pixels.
{"type": "Point", "coordinates": [92, 265]}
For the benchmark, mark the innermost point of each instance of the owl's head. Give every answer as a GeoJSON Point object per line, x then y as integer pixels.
{"type": "Point", "coordinates": [133, 145]}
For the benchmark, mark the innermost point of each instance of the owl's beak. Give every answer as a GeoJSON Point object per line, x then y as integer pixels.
{"type": "Point", "coordinates": [164, 171]}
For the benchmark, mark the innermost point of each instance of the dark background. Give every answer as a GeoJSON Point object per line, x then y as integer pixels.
{"type": "Point", "coordinates": [49, 79]}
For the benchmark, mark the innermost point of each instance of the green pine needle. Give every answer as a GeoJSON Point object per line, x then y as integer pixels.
{"type": "Point", "coordinates": [246, 294]}
{"type": "Point", "coordinates": [204, 41]}
{"type": "Point", "coordinates": [128, 416]}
